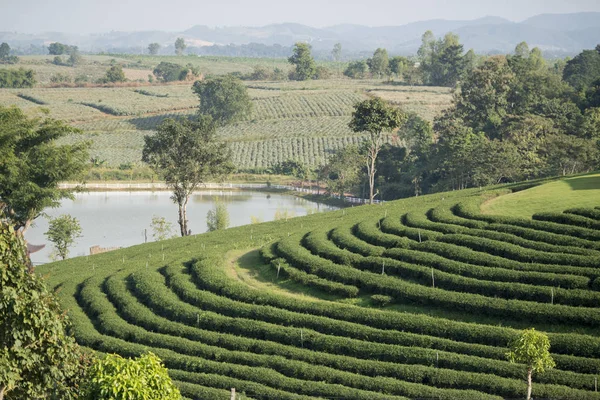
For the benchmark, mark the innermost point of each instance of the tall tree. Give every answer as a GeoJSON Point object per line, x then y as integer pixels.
{"type": "Point", "coordinates": [114, 74]}
{"type": "Point", "coordinates": [4, 50]}
{"type": "Point", "coordinates": [62, 232]}
{"type": "Point", "coordinates": [224, 98]}
{"type": "Point", "coordinates": [304, 62]}
{"type": "Point", "coordinates": [379, 63]}
{"type": "Point", "coordinates": [187, 154]}
{"type": "Point", "coordinates": [531, 348]}
{"type": "Point", "coordinates": [484, 97]}
{"type": "Point", "coordinates": [153, 48]}
{"type": "Point", "coordinates": [32, 165]}
{"type": "Point", "coordinates": [356, 69]}
{"type": "Point", "coordinates": [342, 171]}
{"type": "Point", "coordinates": [38, 358]}
{"type": "Point", "coordinates": [522, 50]}
{"type": "Point", "coordinates": [336, 53]}
{"type": "Point", "coordinates": [398, 65]}
{"type": "Point", "coordinates": [217, 218]}
{"type": "Point", "coordinates": [583, 69]}
{"type": "Point", "coordinates": [375, 117]}
{"type": "Point", "coordinates": [180, 46]}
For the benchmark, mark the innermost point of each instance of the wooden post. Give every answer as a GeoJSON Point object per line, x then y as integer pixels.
{"type": "Point", "coordinates": [419, 236]}
{"type": "Point", "coordinates": [552, 294]}
{"type": "Point", "coordinates": [595, 384]}
{"type": "Point", "coordinates": [232, 393]}
{"type": "Point", "coordinates": [383, 268]}
{"type": "Point", "coordinates": [432, 279]}
{"type": "Point", "coordinates": [278, 268]}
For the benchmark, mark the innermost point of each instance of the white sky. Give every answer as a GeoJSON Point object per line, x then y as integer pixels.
{"type": "Point", "coordinates": [95, 16]}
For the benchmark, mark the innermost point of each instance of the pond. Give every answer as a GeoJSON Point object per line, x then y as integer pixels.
{"type": "Point", "coordinates": [122, 219]}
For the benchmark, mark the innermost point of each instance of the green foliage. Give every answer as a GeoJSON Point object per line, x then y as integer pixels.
{"type": "Point", "coordinates": [5, 57]}
{"type": "Point", "coordinates": [441, 61]}
{"type": "Point", "coordinates": [169, 72]}
{"type": "Point", "coordinates": [117, 378]}
{"type": "Point", "coordinates": [356, 69]}
{"type": "Point", "coordinates": [583, 69]}
{"type": "Point", "coordinates": [62, 232]}
{"type": "Point", "coordinates": [186, 154]}
{"type": "Point", "coordinates": [304, 62]}
{"type": "Point", "coordinates": [532, 349]}
{"type": "Point", "coordinates": [161, 228]}
{"type": "Point", "coordinates": [58, 49]}
{"type": "Point", "coordinates": [38, 359]}
{"type": "Point", "coordinates": [224, 98]}
{"type": "Point", "coordinates": [180, 46]}
{"type": "Point", "coordinates": [379, 63]}
{"type": "Point", "coordinates": [218, 217]}
{"type": "Point", "coordinates": [398, 64]}
{"type": "Point", "coordinates": [375, 116]}
{"type": "Point", "coordinates": [216, 331]}
{"type": "Point", "coordinates": [74, 58]}
{"type": "Point", "coordinates": [114, 74]}
{"type": "Point", "coordinates": [343, 170]}
{"type": "Point", "coordinates": [33, 165]}
{"type": "Point", "coordinates": [153, 48]}
{"type": "Point", "coordinates": [17, 78]}
{"type": "Point", "coordinates": [336, 53]}
{"type": "Point", "coordinates": [4, 50]}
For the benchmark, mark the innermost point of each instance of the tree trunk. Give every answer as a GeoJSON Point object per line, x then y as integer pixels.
{"type": "Point", "coordinates": [371, 172]}
{"type": "Point", "coordinates": [2, 389]}
{"type": "Point", "coordinates": [182, 221]}
{"type": "Point", "coordinates": [529, 372]}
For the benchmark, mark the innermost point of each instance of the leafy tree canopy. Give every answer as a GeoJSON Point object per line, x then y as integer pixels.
{"type": "Point", "coordinates": [531, 348]}
{"type": "Point", "coordinates": [38, 359]}
{"type": "Point", "coordinates": [62, 232]}
{"type": "Point", "coordinates": [117, 378]}
{"type": "Point", "coordinates": [180, 46]}
{"type": "Point", "coordinates": [583, 69]}
{"type": "Point", "coordinates": [379, 63]}
{"type": "Point", "coordinates": [17, 78]}
{"type": "Point", "coordinates": [224, 98]}
{"type": "Point", "coordinates": [187, 154]}
{"type": "Point", "coordinates": [356, 69]}
{"type": "Point", "coordinates": [32, 165]}
{"type": "Point", "coordinates": [4, 50]}
{"type": "Point", "coordinates": [153, 48]}
{"type": "Point", "coordinates": [304, 62]}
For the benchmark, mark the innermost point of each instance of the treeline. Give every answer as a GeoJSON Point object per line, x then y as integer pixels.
{"type": "Point", "coordinates": [512, 118]}
{"type": "Point", "coordinates": [439, 62]}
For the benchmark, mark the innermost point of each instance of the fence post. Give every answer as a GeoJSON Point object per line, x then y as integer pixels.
{"type": "Point", "coordinates": [232, 393]}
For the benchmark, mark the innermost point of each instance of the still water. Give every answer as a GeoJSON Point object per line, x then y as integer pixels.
{"type": "Point", "coordinates": [121, 219]}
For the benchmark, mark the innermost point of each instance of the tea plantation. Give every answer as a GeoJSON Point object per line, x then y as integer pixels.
{"type": "Point", "coordinates": [415, 298]}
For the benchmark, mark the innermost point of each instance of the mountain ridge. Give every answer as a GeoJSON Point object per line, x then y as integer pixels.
{"type": "Point", "coordinates": [561, 33]}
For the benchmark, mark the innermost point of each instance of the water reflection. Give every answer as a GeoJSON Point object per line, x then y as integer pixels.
{"type": "Point", "coordinates": [122, 219]}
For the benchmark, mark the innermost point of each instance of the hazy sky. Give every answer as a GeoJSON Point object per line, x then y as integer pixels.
{"type": "Point", "coordinates": [87, 16]}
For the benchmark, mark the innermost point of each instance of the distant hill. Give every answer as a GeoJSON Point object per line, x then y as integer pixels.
{"type": "Point", "coordinates": [560, 34]}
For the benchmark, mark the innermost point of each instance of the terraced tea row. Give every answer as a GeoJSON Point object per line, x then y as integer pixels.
{"type": "Point", "coordinates": [455, 303]}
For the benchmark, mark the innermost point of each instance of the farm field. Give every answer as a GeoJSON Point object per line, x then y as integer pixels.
{"type": "Point", "coordinates": [415, 298]}
{"type": "Point", "coordinates": [291, 120]}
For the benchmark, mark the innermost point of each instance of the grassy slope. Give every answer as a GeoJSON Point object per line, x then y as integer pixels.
{"type": "Point", "coordinates": [234, 258]}
{"type": "Point", "coordinates": [580, 191]}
